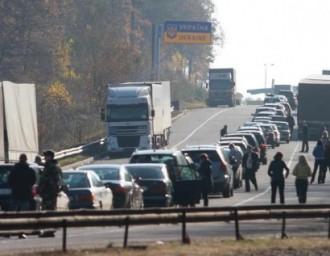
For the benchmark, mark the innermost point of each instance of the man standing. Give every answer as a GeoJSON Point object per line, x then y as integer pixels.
{"type": "Point", "coordinates": [50, 181]}
{"type": "Point", "coordinates": [304, 147]}
{"type": "Point", "coordinates": [205, 173]}
{"type": "Point", "coordinates": [250, 166]}
{"type": "Point", "coordinates": [235, 160]}
{"type": "Point", "coordinates": [21, 179]}
{"type": "Point", "coordinates": [291, 124]}
{"type": "Point", "coordinates": [223, 131]}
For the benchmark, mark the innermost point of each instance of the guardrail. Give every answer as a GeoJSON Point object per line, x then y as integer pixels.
{"type": "Point", "coordinates": [156, 216]}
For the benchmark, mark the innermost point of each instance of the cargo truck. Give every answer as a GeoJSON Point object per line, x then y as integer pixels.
{"type": "Point", "coordinates": [314, 104]}
{"type": "Point", "coordinates": [222, 87]}
{"type": "Point", "coordinates": [138, 116]}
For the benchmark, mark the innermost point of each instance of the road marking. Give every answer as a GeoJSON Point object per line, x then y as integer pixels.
{"type": "Point", "coordinates": [199, 127]}
{"type": "Point", "coordinates": [268, 188]}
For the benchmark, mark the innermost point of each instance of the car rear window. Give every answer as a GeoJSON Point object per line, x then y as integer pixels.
{"type": "Point", "coordinates": [76, 180]}
{"type": "Point", "coordinates": [4, 173]}
{"type": "Point", "coordinates": [153, 158]}
{"type": "Point", "coordinates": [145, 172]}
{"type": "Point", "coordinates": [105, 173]}
{"type": "Point", "coordinates": [195, 155]}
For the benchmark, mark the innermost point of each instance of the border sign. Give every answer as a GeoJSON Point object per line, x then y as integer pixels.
{"type": "Point", "coordinates": [187, 32]}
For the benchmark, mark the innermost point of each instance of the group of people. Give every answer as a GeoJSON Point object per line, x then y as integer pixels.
{"type": "Point", "coordinates": [22, 179]}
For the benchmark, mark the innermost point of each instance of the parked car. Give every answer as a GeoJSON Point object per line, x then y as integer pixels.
{"type": "Point", "coordinates": [222, 173]}
{"type": "Point", "coordinates": [86, 190]}
{"type": "Point", "coordinates": [264, 108]}
{"type": "Point", "coordinates": [279, 118]}
{"type": "Point", "coordinates": [184, 176]}
{"type": "Point", "coordinates": [237, 178]}
{"type": "Point", "coordinates": [5, 191]}
{"type": "Point", "coordinates": [251, 139]}
{"type": "Point", "coordinates": [155, 181]}
{"type": "Point", "coordinates": [240, 143]}
{"type": "Point", "coordinates": [262, 119]}
{"type": "Point", "coordinates": [234, 138]}
{"type": "Point", "coordinates": [273, 137]}
{"type": "Point", "coordinates": [284, 130]}
{"type": "Point", "coordinates": [265, 114]}
{"type": "Point", "coordinates": [126, 191]}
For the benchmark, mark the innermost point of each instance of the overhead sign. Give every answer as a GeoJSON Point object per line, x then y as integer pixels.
{"type": "Point", "coordinates": [187, 32]}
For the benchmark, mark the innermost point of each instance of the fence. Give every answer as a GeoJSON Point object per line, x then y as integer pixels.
{"type": "Point", "coordinates": [156, 216]}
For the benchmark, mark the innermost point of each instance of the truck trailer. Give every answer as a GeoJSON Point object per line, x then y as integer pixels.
{"type": "Point", "coordinates": [313, 104]}
{"type": "Point", "coordinates": [138, 116]}
{"type": "Point", "coordinates": [222, 87]}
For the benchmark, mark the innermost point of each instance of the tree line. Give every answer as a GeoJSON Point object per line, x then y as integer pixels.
{"type": "Point", "coordinates": [71, 49]}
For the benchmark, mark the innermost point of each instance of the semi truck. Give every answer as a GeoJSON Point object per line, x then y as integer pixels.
{"type": "Point", "coordinates": [138, 116]}
{"type": "Point", "coordinates": [313, 104]}
{"type": "Point", "coordinates": [222, 87]}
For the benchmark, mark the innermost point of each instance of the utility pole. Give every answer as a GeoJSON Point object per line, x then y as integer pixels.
{"type": "Point", "coordinates": [157, 31]}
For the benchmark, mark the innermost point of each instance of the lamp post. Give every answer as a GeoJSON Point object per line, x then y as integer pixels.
{"type": "Point", "coordinates": [267, 65]}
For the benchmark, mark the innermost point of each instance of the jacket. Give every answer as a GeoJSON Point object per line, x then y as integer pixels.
{"type": "Point", "coordinates": [255, 161]}
{"type": "Point", "coordinates": [318, 152]}
{"type": "Point", "coordinates": [21, 179]}
{"type": "Point", "coordinates": [275, 170]}
{"type": "Point", "coordinates": [50, 180]}
{"type": "Point", "coordinates": [302, 172]}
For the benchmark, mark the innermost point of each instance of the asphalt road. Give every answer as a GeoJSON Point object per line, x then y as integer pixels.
{"type": "Point", "coordinates": [200, 126]}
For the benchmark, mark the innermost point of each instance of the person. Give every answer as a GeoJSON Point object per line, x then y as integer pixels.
{"type": "Point", "coordinates": [326, 159]}
{"type": "Point", "coordinates": [250, 164]}
{"type": "Point", "coordinates": [318, 153]}
{"type": "Point", "coordinates": [302, 171]}
{"type": "Point", "coordinates": [304, 146]}
{"type": "Point", "coordinates": [50, 182]}
{"type": "Point", "coordinates": [276, 173]}
{"type": "Point", "coordinates": [223, 131]}
{"type": "Point", "coordinates": [291, 123]}
{"type": "Point", "coordinates": [21, 180]}
{"type": "Point", "coordinates": [205, 173]}
{"type": "Point", "coordinates": [38, 161]}
{"type": "Point", "coordinates": [324, 136]}
{"type": "Point", "coordinates": [235, 160]}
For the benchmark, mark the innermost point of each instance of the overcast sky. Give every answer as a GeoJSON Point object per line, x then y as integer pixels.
{"type": "Point", "coordinates": [290, 37]}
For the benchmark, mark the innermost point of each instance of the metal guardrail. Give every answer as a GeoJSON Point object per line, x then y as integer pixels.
{"type": "Point", "coordinates": [156, 216]}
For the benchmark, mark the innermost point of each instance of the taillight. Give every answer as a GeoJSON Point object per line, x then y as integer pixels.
{"type": "Point", "coordinates": [87, 197]}
{"type": "Point", "coordinates": [159, 188]}
{"type": "Point", "coordinates": [34, 190]}
{"type": "Point", "coordinates": [223, 167]}
{"type": "Point", "coordinates": [119, 189]}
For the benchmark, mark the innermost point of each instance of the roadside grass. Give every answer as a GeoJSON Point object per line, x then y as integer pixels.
{"type": "Point", "coordinates": [256, 247]}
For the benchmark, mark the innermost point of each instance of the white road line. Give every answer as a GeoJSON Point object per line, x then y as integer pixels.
{"type": "Point", "coordinates": [199, 127]}
{"type": "Point", "coordinates": [268, 188]}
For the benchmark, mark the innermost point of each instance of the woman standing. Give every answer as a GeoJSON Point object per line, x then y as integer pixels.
{"type": "Point", "coordinates": [276, 173]}
{"type": "Point", "coordinates": [318, 153]}
{"type": "Point", "coordinates": [302, 171]}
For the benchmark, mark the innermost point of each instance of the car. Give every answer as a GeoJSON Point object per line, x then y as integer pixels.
{"type": "Point", "coordinates": [237, 176]}
{"type": "Point", "coordinates": [261, 119]}
{"type": "Point", "coordinates": [251, 139]}
{"type": "Point", "coordinates": [5, 191]}
{"type": "Point", "coordinates": [86, 190]}
{"type": "Point", "coordinates": [240, 143]}
{"type": "Point", "coordinates": [126, 191]}
{"type": "Point", "coordinates": [155, 181]}
{"type": "Point", "coordinates": [185, 179]}
{"type": "Point", "coordinates": [278, 106]}
{"type": "Point", "coordinates": [254, 128]}
{"type": "Point", "coordinates": [279, 118]}
{"type": "Point", "coordinates": [284, 130]}
{"type": "Point", "coordinates": [257, 133]}
{"type": "Point", "coordinates": [234, 138]}
{"type": "Point", "coordinates": [222, 173]}
{"type": "Point", "coordinates": [265, 114]}
{"type": "Point", "coordinates": [273, 135]}
{"type": "Point", "coordinates": [263, 109]}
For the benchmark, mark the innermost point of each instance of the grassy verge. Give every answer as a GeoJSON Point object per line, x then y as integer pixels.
{"type": "Point", "coordinates": [258, 247]}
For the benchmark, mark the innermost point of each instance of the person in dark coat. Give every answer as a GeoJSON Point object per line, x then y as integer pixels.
{"type": "Point", "coordinates": [250, 164]}
{"type": "Point", "coordinates": [50, 182]}
{"type": "Point", "coordinates": [291, 123]}
{"type": "Point", "coordinates": [205, 173]}
{"type": "Point", "coordinates": [318, 153]}
{"type": "Point", "coordinates": [21, 180]}
{"type": "Point", "coordinates": [276, 173]}
{"type": "Point", "coordinates": [223, 131]}
{"type": "Point", "coordinates": [304, 146]}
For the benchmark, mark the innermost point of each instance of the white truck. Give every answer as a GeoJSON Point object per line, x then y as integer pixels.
{"type": "Point", "coordinates": [138, 116]}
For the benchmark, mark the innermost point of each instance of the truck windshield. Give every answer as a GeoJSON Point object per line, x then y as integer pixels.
{"type": "Point", "coordinates": [136, 112]}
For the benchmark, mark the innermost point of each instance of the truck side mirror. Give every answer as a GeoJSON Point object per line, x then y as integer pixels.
{"type": "Point", "coordinates": [103, 114]}
{"type": "Point", "coordinates": [152, 113]}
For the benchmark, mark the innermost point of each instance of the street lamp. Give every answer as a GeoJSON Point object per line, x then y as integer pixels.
{"type": "Point", "coordinates": [266, 65]}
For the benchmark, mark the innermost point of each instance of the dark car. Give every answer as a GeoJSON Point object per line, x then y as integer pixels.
{"type": "Point", "coordinates": [126, 192]}
{"type": "Point", "coordinates": [185, 178]}
{"type": "Point", "coordinates": [86, 190]}
{"type": "Point", "coordinates": [222, 174]}
{"type": "Point", "coordinates": [5, 191]}
{"type": "Point", "coordinates": [155, 181]}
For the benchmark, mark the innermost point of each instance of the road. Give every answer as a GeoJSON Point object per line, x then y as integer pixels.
{"type": "Point", "coordinates": [200, 126]}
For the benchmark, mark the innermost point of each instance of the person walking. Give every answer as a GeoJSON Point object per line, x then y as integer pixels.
{"type": "Point", "coordinates": [50, 181]}
{"type": "Point", "coordinates": [276, 173]}
{"type": "Point", "coordinates": [235, 160]}
{"type": "Point", "coordinates": [224, 131]}
{"type": "Point", "coordinates": [250, 164]}
{"type": "Point", "coordinates": [302, 171]}
{"type": "Point", "coordinates": [205, 173]}
{"type": "Point", "coordinates": [304, 146]}
{"type": "Point", "coordinates": [318, 153]}
{"type": "Point", "coordinates": [21, 180]}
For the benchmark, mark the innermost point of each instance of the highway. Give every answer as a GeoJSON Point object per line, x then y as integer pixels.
{"type": "Point", "coordinates": [200, 126]}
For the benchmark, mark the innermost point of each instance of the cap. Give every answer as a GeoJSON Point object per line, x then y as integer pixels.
{"type": "Point", "coordinates": [49, 153]}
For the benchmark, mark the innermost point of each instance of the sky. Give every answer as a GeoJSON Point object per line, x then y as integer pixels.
{"type": "Point", "coordinates": [284, 40]}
